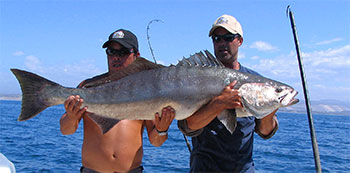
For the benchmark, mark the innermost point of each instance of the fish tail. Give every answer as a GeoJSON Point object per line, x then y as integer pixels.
{"type": "Point", "coordinates": [33, 100]}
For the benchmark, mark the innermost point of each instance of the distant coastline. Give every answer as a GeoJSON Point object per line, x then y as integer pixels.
{"type": "Point", "coordinates": [11, 97]}
{"type": "Point", "coordinates": [314, 112]}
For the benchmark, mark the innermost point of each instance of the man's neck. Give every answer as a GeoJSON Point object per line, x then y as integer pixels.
{"type": "Point", "coordinates": [234, 65]}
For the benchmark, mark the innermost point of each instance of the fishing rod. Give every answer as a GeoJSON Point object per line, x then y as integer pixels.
{"type": "Point", "coordinates": [155, 61]}
{"type": "Point", "coordinates": [306, 94]}
{"type": "Point", "coordinates": [148, 38]}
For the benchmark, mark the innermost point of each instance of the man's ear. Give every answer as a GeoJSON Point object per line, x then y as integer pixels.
{"type": "Point", "coordinates": [240, 41]}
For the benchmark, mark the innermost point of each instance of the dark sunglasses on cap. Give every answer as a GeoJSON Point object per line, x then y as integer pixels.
{"type": "Point", "coordinates": [118, 52]}
{"type": "Point", "coordinates": [226, 37]}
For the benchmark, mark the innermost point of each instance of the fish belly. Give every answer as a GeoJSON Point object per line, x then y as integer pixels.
{"type": "Point", "coordinates": [144, 110]}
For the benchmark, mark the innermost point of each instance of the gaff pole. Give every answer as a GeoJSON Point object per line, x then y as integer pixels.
{"type": "Point", "coordinates": [155, 61]}
{"type": "Point", "coordinates": [148, 38]}
{"type": "Point", "coordinates": [306, 95]}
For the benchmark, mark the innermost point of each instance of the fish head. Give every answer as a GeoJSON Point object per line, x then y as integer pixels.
{"type": "Point", "coordinates": [286, 95]}
{"type": "Point", "coordinates": [260, 99]}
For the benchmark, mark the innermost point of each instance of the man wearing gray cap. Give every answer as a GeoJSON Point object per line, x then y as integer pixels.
{"type": "Point", "coordinates": [119, 149]}
{"type": "Point", "coordinates": [215, 149]}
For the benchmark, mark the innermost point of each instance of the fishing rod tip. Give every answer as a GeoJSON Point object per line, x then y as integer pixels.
{"type": "Point", "coordinates": [288, 10]}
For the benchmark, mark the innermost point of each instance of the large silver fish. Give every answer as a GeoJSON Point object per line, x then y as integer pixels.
{"type": "Point", "coordinates": [186, 87]}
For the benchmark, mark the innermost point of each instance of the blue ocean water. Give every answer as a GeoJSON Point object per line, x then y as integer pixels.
{"type": "Point", "coordinates": [37, 145]}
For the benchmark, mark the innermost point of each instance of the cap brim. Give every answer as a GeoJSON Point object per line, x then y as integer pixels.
{"type": "Point", "coordinates": [222, 26]}
{"type": "Point", "coordinates": [122, 42]}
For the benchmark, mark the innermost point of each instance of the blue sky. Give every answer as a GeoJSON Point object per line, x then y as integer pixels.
{"type": "Point", "coordinates": [62, 40]}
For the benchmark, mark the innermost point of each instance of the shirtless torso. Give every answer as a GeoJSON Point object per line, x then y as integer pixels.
{"type": "Point", "coordinates": [119, 149]}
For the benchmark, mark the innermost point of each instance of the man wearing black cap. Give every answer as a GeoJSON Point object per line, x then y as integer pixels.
{"type": "Point", "coordinates": [215, 149]}
{"type": "Point", "coordinates": [120, 149]}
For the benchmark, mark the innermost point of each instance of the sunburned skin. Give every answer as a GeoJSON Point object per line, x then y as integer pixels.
{"type": "Point", "coordinates": [97, 152]}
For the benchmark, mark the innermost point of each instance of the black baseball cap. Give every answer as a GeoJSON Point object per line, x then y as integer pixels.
{"type": "Point", "coordinates": [124, 37]}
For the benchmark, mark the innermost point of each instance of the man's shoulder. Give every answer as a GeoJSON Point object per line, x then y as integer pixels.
{"type": "Point", "coordinates": [247, 70]}
{"type": "Point", "coordinates": [95, 78]}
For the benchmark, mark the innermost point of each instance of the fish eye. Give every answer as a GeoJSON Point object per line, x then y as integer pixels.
{"type": "Point", "coordinates": [278, 90]}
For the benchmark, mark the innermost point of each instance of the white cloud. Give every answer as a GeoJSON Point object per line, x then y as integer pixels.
{"type": "Point", "coordinates": [241, 55]}
{"type": "Point", "coordinates": [72, 74]}
{"type": "Point", "coordinates": [326, 71]}
{"type": "Point", "coordinates": [65, 74]}
{"type": "Point", "coordinates": [283, 66]}
{"type": "Point", "coordinates": [255, 57]}
{"type": "Point", "coordinates": [330, 58]}
{"type": "Point", "coordinates": [333, 62]}
{"type": "Point", "coordinates": [84, 67]}
{"type": "Point", "coordinates": [327, 91]}
{"type": "Point", "coordinates": [329, 41]}
{"type": "Point", "coordinates": [162, 63]}
{"type": "Point", "coordinates": [18, 53]}
{"type": "Point", "coordinates": [333, 88]}
{"type": "Point", "coordinates": [263, 46]}
{"type": "Point", "coordinates": [33, 63]}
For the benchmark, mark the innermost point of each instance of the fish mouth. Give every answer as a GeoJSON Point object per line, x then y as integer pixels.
{"type": "Point", "coordinates": [289, 99]}
{"type": "Point", "coordinates": [294, 101]}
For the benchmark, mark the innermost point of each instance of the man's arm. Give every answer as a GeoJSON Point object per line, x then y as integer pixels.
{"type": "Point", "coordinates": [267, 126]}
{"type": "Point", "coordinates": [70, 120]}
{"type": "Point", "coordinates": [157, 129]}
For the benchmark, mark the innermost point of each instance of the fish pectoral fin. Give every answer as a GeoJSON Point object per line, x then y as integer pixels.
{"type": "Point", "coordinates": [104, 123]}
{"type": "Point", "coordinates": [228, 120]}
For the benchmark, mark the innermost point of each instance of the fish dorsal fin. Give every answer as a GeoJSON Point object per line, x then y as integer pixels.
{"type": "Point", "coordinates": [140, 64]}
{"type": "Point", "coordinates": [201, 59]}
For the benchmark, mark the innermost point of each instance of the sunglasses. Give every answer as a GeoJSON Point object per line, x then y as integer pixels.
{"type": "Point", "coordinates": [118, 52]}
{"type": "Point", "coordinates": [227, 37]}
